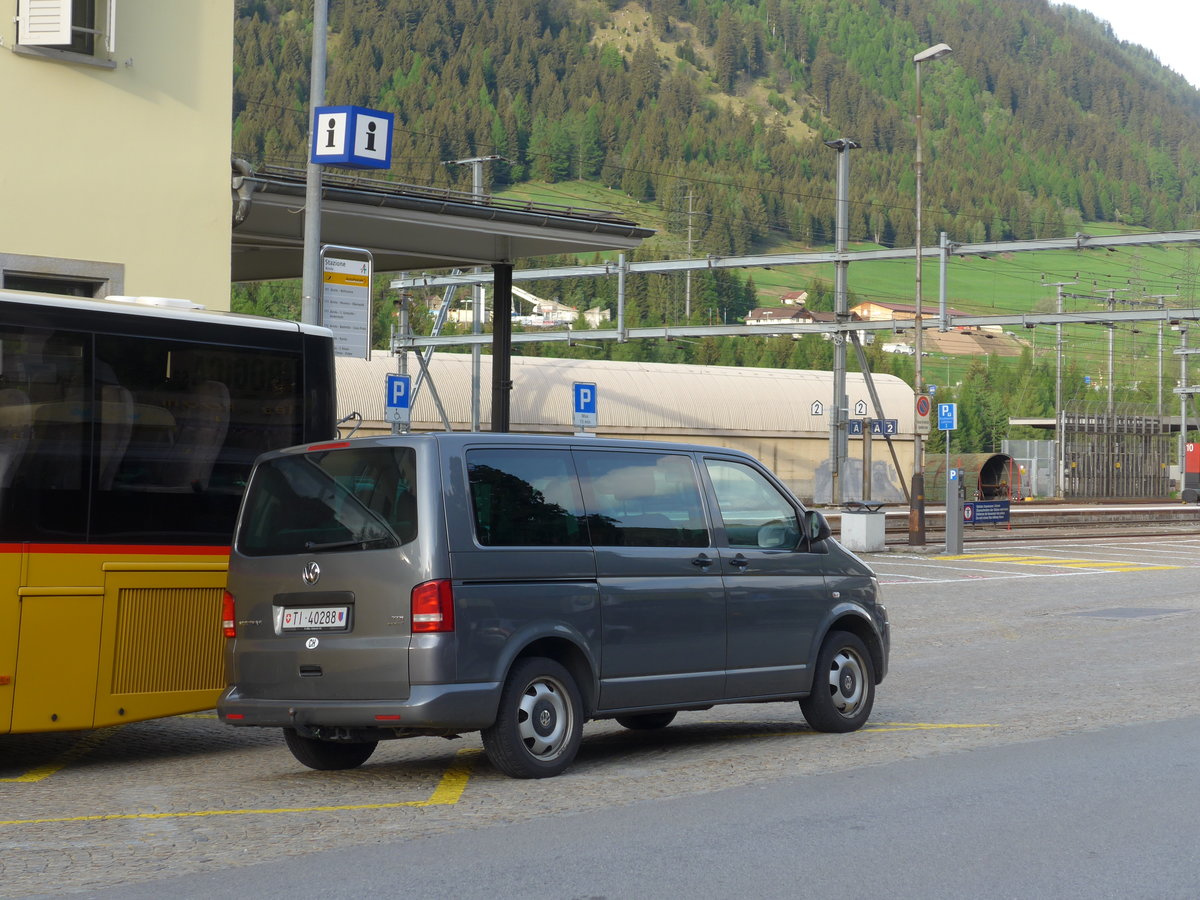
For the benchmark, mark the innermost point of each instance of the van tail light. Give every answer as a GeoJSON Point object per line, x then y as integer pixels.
{"type": "Point", "coordinates": [433, 607]}
{"type": "Point", "coordinates": [227, 624]}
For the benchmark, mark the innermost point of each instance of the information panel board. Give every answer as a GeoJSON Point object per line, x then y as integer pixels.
{"type": "Point", "coordinates": [986, 512]}
{"type": "Point", "coordinates": [346, 300]}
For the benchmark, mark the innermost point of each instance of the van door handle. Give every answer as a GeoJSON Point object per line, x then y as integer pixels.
{"type": "Point", "coordinates": [702, 561]}
{"type": "Point", "coordinates": [739, 562]}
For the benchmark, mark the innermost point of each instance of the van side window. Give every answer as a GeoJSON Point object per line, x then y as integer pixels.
{"type": "Point", "coordinates": [642, 499]}
{"type": "Point", "coordinates": [754, 512]}
{"type": "Point", "coordinates": [525, 498]}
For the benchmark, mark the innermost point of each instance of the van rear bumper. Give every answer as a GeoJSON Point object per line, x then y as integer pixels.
{"type": "Point", "coordinates": [451, 707]}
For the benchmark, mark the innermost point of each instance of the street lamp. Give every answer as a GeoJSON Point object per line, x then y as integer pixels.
{"type": "Point", "coordinates": [916, 513]}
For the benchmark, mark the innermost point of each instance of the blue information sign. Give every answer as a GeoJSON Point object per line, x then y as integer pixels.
{"type": "Point", "coordinates": [985, 512]}
{"type": "Point", "coordinates": [353, 137]}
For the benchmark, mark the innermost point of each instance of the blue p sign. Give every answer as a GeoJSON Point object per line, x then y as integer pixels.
{"type": "Point", "coordinates": [398, 401]}
{"type": "Point", "coordinates": [585, 404]}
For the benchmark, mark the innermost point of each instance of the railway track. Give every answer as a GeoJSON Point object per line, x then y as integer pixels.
{"type": "Point", "coordinates": [1049, 519]}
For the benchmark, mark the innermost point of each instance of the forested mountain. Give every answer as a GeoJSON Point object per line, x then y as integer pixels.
{"type": "Point", "coordinates": [1039, 120]}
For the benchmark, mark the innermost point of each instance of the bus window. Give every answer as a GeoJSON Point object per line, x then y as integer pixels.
{"type": "Point", "coordinates": [127, 435]}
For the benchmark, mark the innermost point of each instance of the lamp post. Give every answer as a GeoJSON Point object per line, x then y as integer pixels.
{"type": "Point", "coordinates": [916, 513]}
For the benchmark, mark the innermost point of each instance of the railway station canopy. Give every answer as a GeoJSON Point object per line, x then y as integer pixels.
{"type": "Point", "coordinates": [405, 227]}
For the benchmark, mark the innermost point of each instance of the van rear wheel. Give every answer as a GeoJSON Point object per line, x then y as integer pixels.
{"type": "Point", "coordinates": [843, 690]}
{"type": "Point", "coordinates": [539, 723]}
{"type": "Point", "coordinates": [327, 756]}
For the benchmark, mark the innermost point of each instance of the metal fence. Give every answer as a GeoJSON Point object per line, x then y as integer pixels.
{"type": "Point", "coordinates": [1113, 455]}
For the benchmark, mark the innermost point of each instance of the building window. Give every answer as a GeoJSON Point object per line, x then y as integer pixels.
{"type": "Point", "coordinates": [72, 30]}
{"type": "Point", "coordinates": [70, 277]}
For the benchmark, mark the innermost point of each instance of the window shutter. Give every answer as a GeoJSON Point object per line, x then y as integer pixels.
{"type": "Point", "coordinates": [44, 22]}
{"type": "Point", "coordinates": [110, 29]}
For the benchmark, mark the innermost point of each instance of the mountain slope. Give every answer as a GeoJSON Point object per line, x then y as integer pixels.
{"type": "Point", "coordinates": [1038, 121]}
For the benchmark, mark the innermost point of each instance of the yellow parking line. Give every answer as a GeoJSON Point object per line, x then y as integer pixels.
{"type": "Point", "coordinates": [449, 791]}
{"type": "Point", "coordinates": [85, 745]}
{"type": "Point", "coordinates": [1106, 566]}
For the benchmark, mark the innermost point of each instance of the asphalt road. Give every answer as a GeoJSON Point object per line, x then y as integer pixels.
{"type": "Point", "coordinates": [1095, 815]}
{"type": "Point", "coordinates": [1037, 732]}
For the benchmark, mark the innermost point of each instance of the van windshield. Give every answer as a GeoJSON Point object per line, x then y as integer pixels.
{"type": "Point", "coordinates": [351, 499]}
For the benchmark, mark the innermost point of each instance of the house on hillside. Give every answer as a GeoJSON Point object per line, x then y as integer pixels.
{"type": "Point", "coordinates": [767, 316]}
{"type": "Point", "coordinates": [115, 164]}
{"type": "Point", "coordinates": [878, 311]}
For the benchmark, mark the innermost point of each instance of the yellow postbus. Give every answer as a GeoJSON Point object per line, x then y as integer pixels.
{"type": "Point", "coordinates": [127, 430]}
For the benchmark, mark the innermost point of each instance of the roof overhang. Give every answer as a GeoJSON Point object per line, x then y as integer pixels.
{"type": "Point", "coordinates": [404, 227]}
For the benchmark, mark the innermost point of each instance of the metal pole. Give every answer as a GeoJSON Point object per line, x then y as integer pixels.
{"type": "Point", "coordinates": [943, 315]}
{"type": "Point", "coordinates": [841, 307]}
{"type": "Point", "coordinates": [1111, 331]}
{"type": "Point", "coordinates": [622, 268]}
{"type": "Point", "coordinates": [501, 346]}
{"type": "Point", "coordinates": [916, 513]}
{"type": "Point", "coordinates": [477, 294]}
{"type": "Point", "coordinates": [310, 310]}
{"type": "Point", "coordinates": [1160, 374]}
{"type": "Point", "coordinates": [1058, 407]}
{"type": "Point", "coordinates": [1183, 404]}
{"type": "Point", "coordinates": [687, 276]}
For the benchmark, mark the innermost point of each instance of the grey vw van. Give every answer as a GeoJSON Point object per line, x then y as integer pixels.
{"type": "Point", "coordinates": [517, 585]}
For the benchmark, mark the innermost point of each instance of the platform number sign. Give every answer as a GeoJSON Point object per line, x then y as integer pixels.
{"type": "Point", "coordinates": [398, 402]}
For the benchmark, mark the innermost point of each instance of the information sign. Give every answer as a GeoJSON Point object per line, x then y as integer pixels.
{"type": "Point", "coordinates": [346, 301]}
{"type": "Point", "coordinates": [885, 426]}
{"type": "Point", "coordinates": [353, 137]}
{"type": "Point", "coordinates": [986, 512]}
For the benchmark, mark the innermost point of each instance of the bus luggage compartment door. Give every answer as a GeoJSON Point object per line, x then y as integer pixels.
{"type": "Point", "coordinates": [57, 658]}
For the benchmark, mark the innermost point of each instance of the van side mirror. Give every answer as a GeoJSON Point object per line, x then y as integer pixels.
{"type": "Point", "coordinates": [816, 526]}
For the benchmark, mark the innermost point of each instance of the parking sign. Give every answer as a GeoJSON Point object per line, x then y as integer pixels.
{"type": "Point", "coordinates": [398, 402]}
{"type": "Point", "coordinates": [585, 404]}
{"type": "Point", "coordinates": [947, 416]}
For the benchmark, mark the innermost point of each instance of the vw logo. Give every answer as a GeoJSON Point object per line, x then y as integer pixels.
{"type": "Point", "coordinates": [312, 572]}
{"type": "Point", "coordinates": [545, 718]}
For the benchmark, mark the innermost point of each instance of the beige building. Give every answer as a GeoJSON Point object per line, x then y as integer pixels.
{"type": "Point", "coordinates": [114, 170]}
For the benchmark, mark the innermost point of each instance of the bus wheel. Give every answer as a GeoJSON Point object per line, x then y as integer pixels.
{"type": "Point", "coordinates": [539, 723]}
{"type": "Point", "coordinates": [327, 755]}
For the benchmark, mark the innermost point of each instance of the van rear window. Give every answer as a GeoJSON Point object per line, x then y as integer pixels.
{"type": "Point", "coordinates": [352, 499]}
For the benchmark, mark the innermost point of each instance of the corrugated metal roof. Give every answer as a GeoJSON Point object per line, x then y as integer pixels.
{"type": "Point", "coordinates": [637, 396]}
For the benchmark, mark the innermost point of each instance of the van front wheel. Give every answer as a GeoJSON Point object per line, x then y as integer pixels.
{"type": "Point", "coordinates": [327, 756]}
{"type": "Point", "coordinates": [539, 723]}
{"type": "Point", "coordinates": [843, 689]}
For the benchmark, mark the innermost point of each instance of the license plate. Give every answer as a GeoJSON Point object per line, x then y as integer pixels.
{"type": "Point", "coordinates": [316, 618]}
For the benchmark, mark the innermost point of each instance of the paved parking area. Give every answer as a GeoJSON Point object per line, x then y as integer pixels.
{"type": "Point", "coordinates": [1023, 641]}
